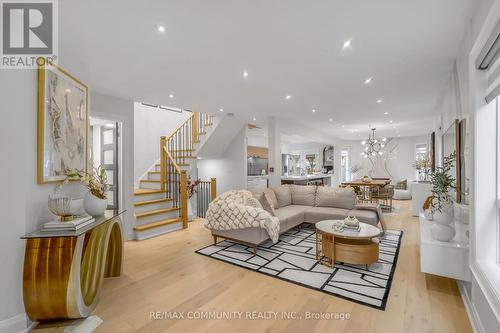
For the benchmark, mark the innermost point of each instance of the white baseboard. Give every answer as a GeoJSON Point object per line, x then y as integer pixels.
{"type": "Point", "coordinates": [477, 327]}
{"type": "Point", "coordinates": [17, 324]}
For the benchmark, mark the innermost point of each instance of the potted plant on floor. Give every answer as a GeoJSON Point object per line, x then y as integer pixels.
{"type": "Point", "coordinates": [442, 204]}
{"type": "Point", "coordinates": [95, 201]}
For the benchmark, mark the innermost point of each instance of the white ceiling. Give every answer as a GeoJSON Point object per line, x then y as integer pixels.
{"type": "Point", "coordinates": [287, 46]}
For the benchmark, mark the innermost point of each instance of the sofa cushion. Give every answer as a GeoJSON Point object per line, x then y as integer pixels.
{"type": "Point", "coordinates": [402, 185]}
{"type": "Point", "coordinates": [316, 214]}
{"type": "Point", "coordinates": [265, 204]}
{"type": "Point", "coordinates": [303, 194]}
{"type": "Point", "coordinates": [271, 197]}
{"type": "Point", "coordinates": [291, 216]}
{"type": "Point", "coordinates": [336, 197]}
{"type": "Point", "coordinates": [365, 216]}
{"type": "Point", "coordinates": [283, 195]}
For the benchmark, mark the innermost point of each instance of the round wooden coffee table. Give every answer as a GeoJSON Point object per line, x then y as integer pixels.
{"type": "Point", "coordinates": [349, 246]}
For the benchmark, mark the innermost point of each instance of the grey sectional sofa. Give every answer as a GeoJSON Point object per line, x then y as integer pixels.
{"type": "Point", "coordinates": [296, 204]}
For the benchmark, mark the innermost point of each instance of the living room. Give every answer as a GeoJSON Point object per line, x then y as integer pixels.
{"type": "Point", "coordinates": [265, 166]}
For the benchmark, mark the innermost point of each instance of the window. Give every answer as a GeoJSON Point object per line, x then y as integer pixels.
{"type": "Point", "coordinates": [422, 162]}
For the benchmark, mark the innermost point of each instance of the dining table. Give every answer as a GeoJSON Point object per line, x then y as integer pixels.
{"type": "Point", "coordinates": [366, 186]}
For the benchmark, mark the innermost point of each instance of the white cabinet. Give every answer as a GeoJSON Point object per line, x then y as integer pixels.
{"type": "Point", "coordinates": [256, 183]}
{"type": "Point", "coordinates": [450, 259]}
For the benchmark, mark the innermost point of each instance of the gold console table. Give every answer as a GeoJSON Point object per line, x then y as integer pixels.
{"type": "Point", "coordinates": [64, 271]}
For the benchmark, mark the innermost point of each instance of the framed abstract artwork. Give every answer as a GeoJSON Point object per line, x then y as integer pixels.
{"type": "Point", "coordinates": [62, 124]}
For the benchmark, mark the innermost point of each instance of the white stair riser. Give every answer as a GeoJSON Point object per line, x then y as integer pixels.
{"type": "Point", "coordinates": [141, 235]}
{"type": "Point", "coordinates": [156, 218]}
{"type": "Point", "coordinates": [153, 176]}
{"type": "Point", "coordinates": [152, 186]}
{"type": "Point", "coordinates": [157, 168]}
{"type": "Point", "coordinates": [147, 208]}
{"type": "Point", "coordinates": [146, 197]}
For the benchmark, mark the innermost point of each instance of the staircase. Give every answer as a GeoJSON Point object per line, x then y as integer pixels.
{"type": "Point", "coordinates": [160, 202]}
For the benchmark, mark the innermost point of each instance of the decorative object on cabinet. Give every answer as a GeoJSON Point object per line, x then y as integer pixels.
{"type": "Point", "coordinates": [63, 205]}
{"type": "Point", "coordinates": [62, 124]}
{"type": "Point", "coordinates": [95, 201]}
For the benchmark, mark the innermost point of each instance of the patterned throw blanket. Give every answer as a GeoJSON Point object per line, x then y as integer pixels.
{"type": "Point", "coordinates": [239, 210]}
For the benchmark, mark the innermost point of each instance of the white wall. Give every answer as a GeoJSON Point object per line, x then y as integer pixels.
{"type": "Point", "coordinates": [464, 98]}
{"type": "Point", "coordinates": [23, 201]}
{"type": "Point", "coordinates": [231, 168]}
{"type": "Point", "coordinates": [149, 125]}
{"type": "Point", "coordinates": [399, 164]}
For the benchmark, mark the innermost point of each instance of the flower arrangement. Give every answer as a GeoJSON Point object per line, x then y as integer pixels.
{"type": "Point", "coordinates": [442, 183]}
{"type": "Point", "coordinates": [96, 181]}
{"type": "Point", "coordinates": [192, 187]}
{"type": "Point", "coordinates": [422, 163]}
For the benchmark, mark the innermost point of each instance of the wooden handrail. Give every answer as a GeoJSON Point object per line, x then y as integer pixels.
{"type": "Point", "coordinates": [176, 166]}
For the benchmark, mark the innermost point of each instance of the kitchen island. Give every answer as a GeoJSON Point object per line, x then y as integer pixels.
{"type": "Point", "coordinates": [318, 179]}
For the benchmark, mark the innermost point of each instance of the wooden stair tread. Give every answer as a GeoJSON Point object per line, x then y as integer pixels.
{"type": "Point", "coordinates": [145, 191]}
{"type": "Point", "coordinates": [156, 212]}
{"type": "Point", "coordinates": [154, 172]}
{"type": "Point", "coordinates": [184, 156]}
{"type": "Point", "coordinates": [178, 164]}
{"type": "Point", "coordinates": [183, 150]}
{"type": "Point", "coordinates": [151, 202]}
{"type": "Point", "coordinates": [156, 224]}
{"type": "Point", "coordinates": [149, 181]}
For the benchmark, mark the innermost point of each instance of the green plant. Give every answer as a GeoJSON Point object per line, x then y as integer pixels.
{"type": "Point", "coordinates": [442, 182]}
{"type": "Point", "coordinates": [96, 181]}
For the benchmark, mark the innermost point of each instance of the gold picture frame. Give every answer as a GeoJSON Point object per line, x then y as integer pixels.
{"type": "Point", "coordinates": [63, 124]}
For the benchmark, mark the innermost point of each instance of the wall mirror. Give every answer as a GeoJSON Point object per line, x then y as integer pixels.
{"type": "Point", "coordinates": [465, 161]}
{"type": "Point", "coordinates": [432, 151]}
{"type": "Point", "coordinates": [451, 143]}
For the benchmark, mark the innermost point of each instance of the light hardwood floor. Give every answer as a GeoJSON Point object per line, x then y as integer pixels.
{"type": "Point", "coordinates": [164, 274]}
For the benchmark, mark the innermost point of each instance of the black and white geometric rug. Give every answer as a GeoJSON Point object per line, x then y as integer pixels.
{"type": "Point", "coordinates": [293, 259]}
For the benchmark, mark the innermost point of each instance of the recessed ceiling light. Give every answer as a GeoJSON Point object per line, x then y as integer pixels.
{"type": "Point", "coordinates": [369, 80]}
{"type": "Point", "coordinates": [245, 74]}
{"type": "Point", "coordinates": [379, 101]}
{"type": "Point", "coordinates": [221, 110]}
{"type": "Point", "coordinates": [330, 120]}
{"type": "Point", "coordinates": [313, 110]}
{"type": "Point", "coordinates": [288, 97]}
{"type": "Point", "coordinates": [390, 121]}
{"type": "Point", "coordinates": [254, 119]}
{"type": "Point", "coordinates": [386, 113]}
{"type": "Point", "coordinates": [347, 44]}
{"type": "Point", "coordinates": [160, 28]}
{"type": "Point", "coordinates": [343, 126]}
{"type": "Point", "coordinates": [171, 95]}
